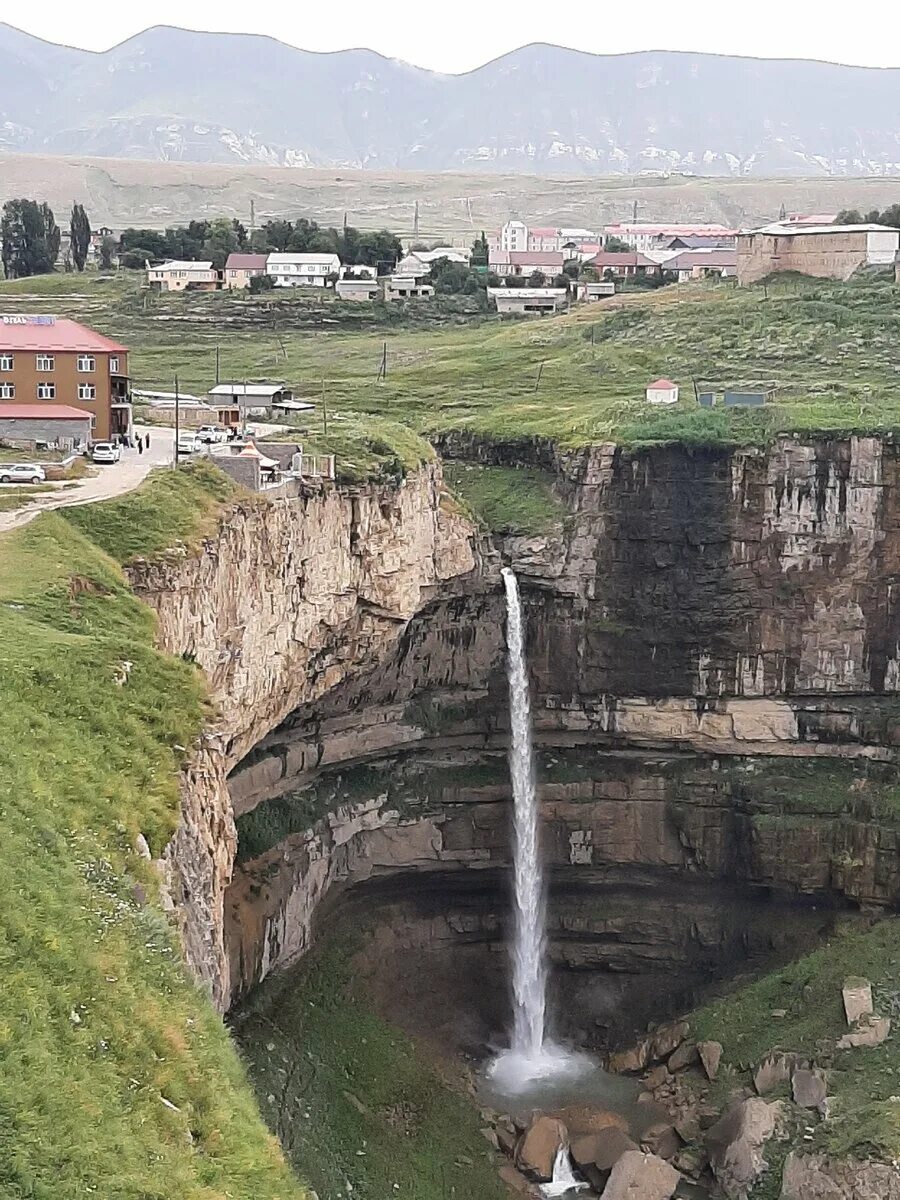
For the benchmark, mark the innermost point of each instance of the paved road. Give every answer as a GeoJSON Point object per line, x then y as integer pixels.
{"type": "Point", "coordinates": [112, 480]}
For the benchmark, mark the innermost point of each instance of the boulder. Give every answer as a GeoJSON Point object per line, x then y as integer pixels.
{"type": "Point", "coordinates": [539, 1144]}
{"type": "Point", "coordinates": [682, 1057]}
{"type": "Point", "coordinates": [638, 1176]}
{"type": "Point", "coordinates": [871, 1031]}
{"type": "Point", "coordinates": [635, 1058]}
{"type": "Point", "coordinates": [656, 1078]}
{"type": "Point", "coordinates": [516, 1181]}
{"type": "Point", "coordinates": [771, 1072]}
{"type": "Point", "coordinates": [857, 993]}
{"type": "Point", "coordinates": [819, 1178]}
{"type": "Point", "coordinates": [603, 1149]}
{"type": "Point", "coordinates": [668, 1038]}
{"type": "Point", "coordinates": [661, 1139]}
{"type": "Point", "coordinates": [809, 1090]}
{"type": "Point", "coordinates": [735, 1145]}
{"type": "Point", "coordinates": [710, 1056]}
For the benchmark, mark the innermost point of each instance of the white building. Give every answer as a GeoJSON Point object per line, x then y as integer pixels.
{"type": "Point", "coordinates": [514, 236]}
{"type": "Point", "coordinates": [517, 237]}
{"type": "Point", "coordinates": [251, 399]}
{"type": "Point", "coordinates": [419, 262]}
{"type": "Point", "coordinates": [528, 301]}
{"type": "Point", "coordinates": [662, 391]}
{"type": "Point", "coordinates": [357, 289]}
{"type": "Point", "coordinates": [302, 270]}
{"type": "Point", "coordinates": [407, 287]}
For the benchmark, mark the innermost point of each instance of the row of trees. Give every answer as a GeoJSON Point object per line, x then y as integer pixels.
{"type": "Point", "coordinates": [30, 238]}
{"type": "Point", "coordinates": [215, 239]}
{"type": "Point", "coordinates": [852, 216]}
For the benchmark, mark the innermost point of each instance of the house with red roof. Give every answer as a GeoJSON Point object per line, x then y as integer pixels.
{"type": "Point", "coordinates": [51, 362]}
{"type": "Point", "coordinates": [241, 268]}
{"type": "Point", "coordinates": [620, 264]}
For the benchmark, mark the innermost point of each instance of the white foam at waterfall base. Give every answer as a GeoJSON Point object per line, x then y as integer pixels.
{"type": "Point", "coordinates": [563, 1182]}
{"type": "Point", "coordinates": [531, 1059]}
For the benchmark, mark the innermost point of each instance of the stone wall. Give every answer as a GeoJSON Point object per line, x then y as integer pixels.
{"type": "Point", "coordinates": [830, 256]}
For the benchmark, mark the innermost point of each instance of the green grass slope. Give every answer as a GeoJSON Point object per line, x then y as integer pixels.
{"type": "Point", "coordinates": [117, 1079]}
{"type": "Point", "coordinates": [864, 1113]}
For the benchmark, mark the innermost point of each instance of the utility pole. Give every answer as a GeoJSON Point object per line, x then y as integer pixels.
{"type": "Point", "coordinates": [634, 209]}
{"type": "Point", "coordinates": [177, 420]}
{"type": "Point", "coordinates": [252, 215]}
{"type": "Point", "coordinates": [416, 223]}
{"type": "Point", "coordinates": [324, 411]}
{"type": "Point", "coordinates": [384, 361]}
{"type": "Point", "coordinates": [217, 366]}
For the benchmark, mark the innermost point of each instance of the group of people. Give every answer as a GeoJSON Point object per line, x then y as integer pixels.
{"type": "Point", "coordinates": [140, 443]}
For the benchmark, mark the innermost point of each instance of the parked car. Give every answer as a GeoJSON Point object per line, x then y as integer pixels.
{"type": "Point", "coordinates": [188, 443]}
{"type": "Point", "coordinates": [212, 433]}
{"type": "Point", "coordinates": [22, 473]}
{"type": "Point", "coordinates": [106, 452]}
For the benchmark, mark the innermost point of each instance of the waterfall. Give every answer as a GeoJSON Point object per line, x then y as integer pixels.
{"type": "Point", "coordinates": [531, 1059]}
{"type": "Point", "coordinates": [529, 949]}
{"type": "Point", "coordinates": [563, 1182]}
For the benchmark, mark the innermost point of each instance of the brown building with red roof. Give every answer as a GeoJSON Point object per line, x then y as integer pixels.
{"type": "Point", "coordinates": [241, 268]}
{"type": "Point", "coordinates": [53, 361]}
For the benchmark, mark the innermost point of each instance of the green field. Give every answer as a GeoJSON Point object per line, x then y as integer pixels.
{"type": "Point", "coordinates": [117, 1079]}
{"type": "Point", "coordinates": [826, 351]}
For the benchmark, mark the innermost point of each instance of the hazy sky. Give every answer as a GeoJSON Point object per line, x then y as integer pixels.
{"type": "Point", "coordinates": [462, 34]}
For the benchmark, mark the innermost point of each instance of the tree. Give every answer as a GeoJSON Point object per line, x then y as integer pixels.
{"type": "Point", "coordinates": [30, 239]}
{"type": "Point", "coordinates": [616, 245]}
{"type": "Point", "coordinates": [221, 240]}
{"type": "Point", "coordinates": [480, 252]}
{"type": "Point", "coordinates": [562, 281]}
{"type": "Point", "coordinates": [379, 249]}
{"type": "Point", "coordinates": [261, 283]}
{"type": "Point", "coordinates": [276, 235]}
{"type": "Point", "coordinates": [79, 235]}
{"type": "Point", "coordinates": [52, 234]}
{"type": "Point", "coordinates": [136, 246]}
{"type": "Point", "coordinates": [852, 216]}
{"type": "Point", "coordinates": [108, 248]}
{"type": "Point", "coordinates": [537, 279]}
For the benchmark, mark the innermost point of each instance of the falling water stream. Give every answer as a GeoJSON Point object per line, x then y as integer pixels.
{"type": "Point", "coordinates": [531, 1057]}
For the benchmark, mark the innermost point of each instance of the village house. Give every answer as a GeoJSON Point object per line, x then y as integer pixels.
{"type": "Point", "coordinates": [825, 251]}
{"type": "Point", "coordinates": [528, 301]}
{"type": "Point", "coordinates": [703, 264]}
{"type": "Point", "coordinates": [252, 399]}
{"type": "Point", "coordinates": [407, 287]}
{"type": "Point", "coordinates": [47, 362]}
{"type": "Point", "coordinates": [178, 275]}
{"type": "Point", "coordinates": [357, 289]}
{"type": "Point", "coordinates": [40, 426]}
{"type": "Point", "coordinates": [526, 262]}
{"type": "Point", "coordinates": [419, 262]}
{"type": "Point", "coordinates": [622, 264]}
{"type": "Point", "coordinates": [241, 268]}
{"type": "Point", "coordinates": [303, 270]}
{"type": "Point", "coordinates": [642, 235]}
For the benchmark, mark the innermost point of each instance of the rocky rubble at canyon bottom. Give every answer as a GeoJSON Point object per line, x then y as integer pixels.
{"type": "Point", "coordinates": [684, 1137]}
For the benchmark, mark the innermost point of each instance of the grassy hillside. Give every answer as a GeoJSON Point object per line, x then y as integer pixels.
{"type": "Point", "coordinates": [116, 1077]}
{"type": "Point", "coordinates": [826, 350]}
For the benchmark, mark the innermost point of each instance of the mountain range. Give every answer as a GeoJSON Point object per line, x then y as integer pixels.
{"type": "Point", "coordinates": [170, 94]}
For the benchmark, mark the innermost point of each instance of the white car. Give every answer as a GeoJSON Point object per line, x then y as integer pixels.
{"type": "Point", "coordinates": [188, 443]}
{"type": "Point", "coordinates": [212, 433]}
{"type": "Point", "coordinates": [106, 452]}
{"type": "Point", "coordinates": [21, 473]}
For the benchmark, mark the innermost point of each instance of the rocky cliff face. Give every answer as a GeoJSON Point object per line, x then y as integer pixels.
{"type": "Point", "coordinates": [708, 618]}
{"type": "Point", "coordinates": [284, 602]}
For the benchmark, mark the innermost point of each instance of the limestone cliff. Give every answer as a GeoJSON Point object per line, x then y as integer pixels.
{"type": "Point", "coordinates": [284, 601]}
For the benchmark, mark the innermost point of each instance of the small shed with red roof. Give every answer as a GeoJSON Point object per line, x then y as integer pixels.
{"type": "Point", "coordinates": [662, 391]}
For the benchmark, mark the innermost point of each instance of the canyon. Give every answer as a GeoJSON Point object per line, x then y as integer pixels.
{"type": "Point", "coordinates": [714, 645]}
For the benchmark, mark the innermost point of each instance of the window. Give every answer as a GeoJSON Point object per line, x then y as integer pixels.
{"type": "Point", "coordinates": [6, 362]}
{"type": "Point", "coordinates": [7, 391]}
{"type": "Point", "coordinates": [86, 362]}
{"type": "Point", "coordinates": [114, 364]}
{"type": "Point", "coordinates": [87, 391]}
{"type": "Point", "coordinates": [45, 362]}
{"type": "Point", "coordinates": [46, 391]}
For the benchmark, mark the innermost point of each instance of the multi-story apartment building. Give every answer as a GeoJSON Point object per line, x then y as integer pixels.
{"type": "Point", "coordinates": [55, 361]}
{"type": "Point", "coordinates": [302, 270]}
